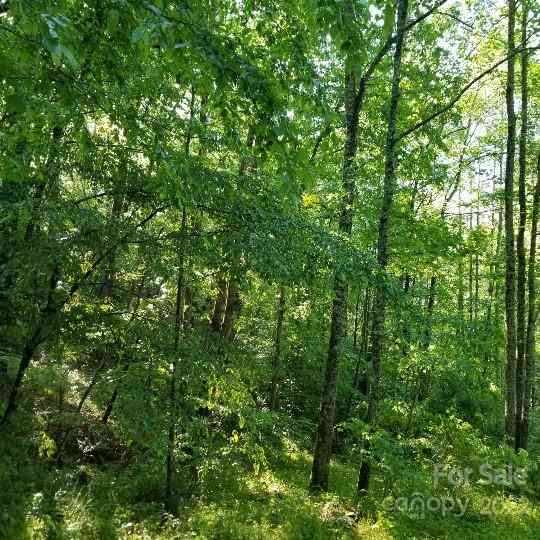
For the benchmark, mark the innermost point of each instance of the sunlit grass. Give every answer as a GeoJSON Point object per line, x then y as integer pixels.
{"type": "Point", "coordinates": [275, 503]}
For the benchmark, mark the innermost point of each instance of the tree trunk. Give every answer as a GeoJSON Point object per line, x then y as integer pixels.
{"type": "Point", "coordinates": [231, 311]}
{"type": "Point", "coordinates": [325, 427]}
{"type": "Point", "coordinates": [406, 329]}
{"type": "Point", "coordinates": [178, 334]}
{"type": "Point", "coordinates": [359, 382]}
{"type": "Point", "coordinates": [52, 172]}
{"type": "Point", "coordinates": [470, 291]}
{"type": "Point", "coordinates": [219, 305]}
{"type": "Point", "coordinates": [429, 313]}
{"type": "Point", "coordinates": [510, 286]}
{"type": "Point", "coordinates": [37, 336]}
{"type": "Point", "coordinates": [110, 404]}
{"type": "Point", "coordinates": [460, 295]}
{"type": "Point", "coordinates": [276, 357]}
{"type": "Point", "coordinates": [379, 303]}
{"type": "Point", "coordinates": [477, 272]}
{"type": "Point", "coordinates": [530, 353]}
{"type": "Point", "coordinates": [356, 318]}
{"type": "Point", "coordinates": [520, 244]}
{"type": "Point", "coordinates": [364, 331]}
{"type": "Point", "coordinates": [107, 284]}
{"type": "Point", "coordinates": [82, 401]}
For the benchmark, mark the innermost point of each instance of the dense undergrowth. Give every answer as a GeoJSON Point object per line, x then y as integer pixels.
{"type": "Point", "coordinates": [238, 238]}
{"type": "Point", "coordinates": [255, 485]}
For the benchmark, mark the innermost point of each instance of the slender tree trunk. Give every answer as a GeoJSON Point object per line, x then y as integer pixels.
{"type": "Point", "coordinates": [276, 356]}
{"type": "Point", "coordinates": [422, 379]}
{"type": "Point", "coordinates": [231, 311]}
{"type": "Point", "coordinates": [110, 404]}
{"type": "Point", "coordinates": [178, 334]}
{"type": "Point", "coordinates": [364, 329]}
{"type": "Point", "coordinates": [460, 295]}
{"type": "Point", "coordinates": [178, 329]}
{"type": "Point", "coordinates": [82, 401]}
{"type": "Point", "coordinates": [356, 320]}
{"type": "Point", "coordinates": [219, 305]}
{"type": "Point", "coordinates": [325, 427]}
{"type": "Point", "coordinates": [530, 353]}
{"type": "Point", "coordinates": [109, 272]}
{"type": "Point", "coordinates": [510, 285]}
{"type": "Point", "coordinates": [35, 339]}
{"type": "Point", "coordinates": [406, 329]}
{"type": "Point", "coordinates": [359, 382]}
{"type": "Point", "coordinates": [521, 367]}
{"type": "Point", "coordinates": [52, 172]}
{"type": "Point", "coordinates": [477, 271]}
{"type": "Point", "coordinates": [429, 312]}
{"type": "Point", "coordinates": [470, 291]}
{"type": "Point", "coordinates": [379, 303]}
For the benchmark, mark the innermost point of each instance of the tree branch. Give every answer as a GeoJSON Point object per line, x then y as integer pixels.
{"type": "Point", "coordinates": [459, 95]}
{"type": "Point", "coordinates": [382, 53]}
{"type": "Point", "coordinates": [77, 285]}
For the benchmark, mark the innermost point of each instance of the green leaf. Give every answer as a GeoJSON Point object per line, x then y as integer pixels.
{"type": "Point", "coordinates": [389, 17]}
{"type": "Point", "coordinates": [113, 20]}
{"type": "Point", "coordinates": [15, 103]}
{"type": "Point", "coordinates": [69, 57]}
{"type": "Point", "coordinates": [139, 33]}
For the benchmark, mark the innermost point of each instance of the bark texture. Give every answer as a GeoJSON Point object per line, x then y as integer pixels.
{"type": "Point", "coordinates": [379, 302]}
{"type": "Point", "coordinates": [530, 353]}
{"type": "Point", "coordinates": [276, 356]}
{"type": "Point", "coordinates": [510, 279]}
{"type": "Point", "coordinates": [521, 374]}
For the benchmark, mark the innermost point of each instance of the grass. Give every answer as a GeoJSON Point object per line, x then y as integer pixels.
{"type": "Point", "coordinates": [42, 502]}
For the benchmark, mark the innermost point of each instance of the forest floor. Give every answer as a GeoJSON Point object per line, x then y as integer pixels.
{"type": "Point", "coordinates": [40, 500]}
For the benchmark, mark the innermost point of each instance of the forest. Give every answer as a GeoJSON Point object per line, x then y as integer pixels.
{"type": "Point", "coordinates": [268, 269]}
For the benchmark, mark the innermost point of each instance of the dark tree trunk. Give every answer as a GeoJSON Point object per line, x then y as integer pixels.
{"type": "Point", "coordinates": [325, 427]}
{"type": "Point", "coordinates": [178, 334]}
{"type": "Point", "coordinates": [360, 379]}
{"type": "Point", "coordinates": [510, 285]}
{"type": "Point", "coordinates": [521, 367]}
{"type": "Point", "coordinates": [429, 312]}
{"type": "Point", "coordinates": [219, 305]}
{"type": "Point", "coordinates": [110, 405]}
{"type": "Point", "coordinates": [231, 311]}
{"type": "Point", "coordinates": [530, 353]}
{"type": "Point", "coordinates": [406, 329]}
{"type": "Point", "coordinates": [356, 320]}
{"type": "Point", "coordinates": [276, 356]}
{"type": "Point", "coordinates": [470, 291]}
{"type": "Point", "coordinates": [460, 295]}
{"type": "Point", "coordinates": [360, 372]}
{"type": "Point", "coordinates": [51, 174]}
{"type": "Point", "coordinates": [379, 302]}
{"type": "Point", "coordinates": [37, 337]}
{"type": "Point", "coordinates": [107, 284]}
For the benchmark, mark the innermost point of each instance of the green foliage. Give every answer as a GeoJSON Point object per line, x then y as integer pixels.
{"type": "Point", "coordinates": [155, 156]}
